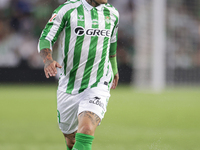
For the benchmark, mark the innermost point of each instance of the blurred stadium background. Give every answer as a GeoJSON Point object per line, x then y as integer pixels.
{"type": "Point", "coordinates": [156, 105]}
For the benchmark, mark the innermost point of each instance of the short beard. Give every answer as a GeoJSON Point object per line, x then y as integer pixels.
{"type": "Point", "coordinates": [93, 3]}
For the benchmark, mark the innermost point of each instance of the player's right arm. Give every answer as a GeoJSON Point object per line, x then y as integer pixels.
{"type": "Point", "coordinates": [48, 37]}
{"type": "Point", "coordinates": [50, 65]}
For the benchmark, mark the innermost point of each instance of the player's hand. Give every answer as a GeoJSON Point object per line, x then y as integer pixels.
{"type": "Point", "coordinates": [115, 81]}
{"type": "Point", "coordinates": [50, 68]}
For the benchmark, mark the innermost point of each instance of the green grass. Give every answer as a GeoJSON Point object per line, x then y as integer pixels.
{"type": "Point", "coordinates": [135, 120]}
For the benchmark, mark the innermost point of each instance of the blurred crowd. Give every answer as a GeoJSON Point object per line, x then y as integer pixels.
{"type": "Point", "coordinates": [183, 34]}
{"type": "Point", "coordinates": [22, 21]}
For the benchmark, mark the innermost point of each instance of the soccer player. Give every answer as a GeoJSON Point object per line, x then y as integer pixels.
{"type": "Point", "coordinates": [88, 36]}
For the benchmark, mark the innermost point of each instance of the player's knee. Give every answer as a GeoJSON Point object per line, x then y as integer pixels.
{"type": "Point", "coordinates": [86, 129]}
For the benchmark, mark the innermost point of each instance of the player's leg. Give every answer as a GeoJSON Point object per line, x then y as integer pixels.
{"type": "Point", "coordinates": [91, 111]}
{"type": "Point", "coordinates": [88, 121]}
{"type": "Point", "coordinates": [67, 108]}
{"type": "Point", "coordinates": [70, 140]}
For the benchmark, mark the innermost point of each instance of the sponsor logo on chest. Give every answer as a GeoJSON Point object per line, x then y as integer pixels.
{"type": "Point", "coordinates": [79, 31]}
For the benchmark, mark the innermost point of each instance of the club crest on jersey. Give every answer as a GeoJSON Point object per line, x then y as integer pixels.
{"type": "Point", "coordinates": [79, 31]}
{"type": "Point", "coordinates": [53, 18]}
{"type": "Point", "coordinates": [107, 19]}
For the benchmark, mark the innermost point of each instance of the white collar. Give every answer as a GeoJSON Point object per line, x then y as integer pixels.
{"type": "Point", "coordinates": [89, 7]}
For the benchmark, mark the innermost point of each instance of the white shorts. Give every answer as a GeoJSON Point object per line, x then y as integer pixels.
{"type": "Point", "coordinates": [70, 106]}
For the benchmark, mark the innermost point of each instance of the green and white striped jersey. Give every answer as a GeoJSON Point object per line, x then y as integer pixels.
{"type": "Point", "coordinates": [86, 34]}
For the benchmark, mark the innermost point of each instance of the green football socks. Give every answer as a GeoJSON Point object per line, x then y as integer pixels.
{"type": "Point", "coordinates": [83, 142]}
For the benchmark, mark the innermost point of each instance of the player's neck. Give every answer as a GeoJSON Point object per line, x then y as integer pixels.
{"type": "Point", "coordinates": [93, 3]}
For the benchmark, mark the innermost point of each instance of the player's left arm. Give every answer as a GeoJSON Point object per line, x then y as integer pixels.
{"type": "Point", "coordinates": [113, 61]}
{"type": "Point", "coordinates": [113, 53]}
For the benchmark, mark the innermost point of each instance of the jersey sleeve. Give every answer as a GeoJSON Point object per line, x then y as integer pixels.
{"type": "Point", "coordinates": [114, 36]}
{"type": "Point", "coordinates": [52, 29]}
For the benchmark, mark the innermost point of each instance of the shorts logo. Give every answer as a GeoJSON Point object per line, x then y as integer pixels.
{"type": "Point", "coordinates": [96, 101]}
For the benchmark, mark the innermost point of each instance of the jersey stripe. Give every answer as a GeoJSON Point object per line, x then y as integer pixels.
{"type": "Point", "coordinates": [71, 46]}
{"type": "Point", "coordinates": [61, 25]}
{"type": "Point", "coordinates": [84, 53]}
{"type": "Point", "coordinates": [67, 39]}
{"type": "Point", "coordinates": [99, 50]}
{"type": "Point", "coordinates": [92, 51]}
{"type": "Point", "coordinates": [77, 51]}
{"type": "Point", "coordinates": [100, 71]}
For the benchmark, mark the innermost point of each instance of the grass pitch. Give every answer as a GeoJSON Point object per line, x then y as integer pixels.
{"type": "Point", "coordinates": [135, 120]}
